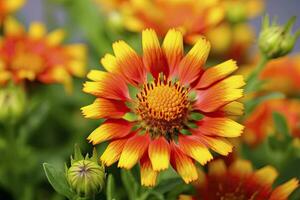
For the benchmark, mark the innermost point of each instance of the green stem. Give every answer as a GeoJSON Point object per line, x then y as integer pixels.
{"type": "Point", "coordinates": [252, 79]}
{"type": "Point", "coordinates": [11, 154]}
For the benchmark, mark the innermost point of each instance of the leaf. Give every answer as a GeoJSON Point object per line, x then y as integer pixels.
{"type": "Point", "coordinates": [168, 185]}
{"type": "Point", "coordinates": [58, 181]}
{"type": "Point", "coordinates": [110, 188]}
{"type": "Point", "coordinates": [156, 195]}
{"type": "Point", "coordinates": [250, 105]}
{"type": "Point", "coordinates": [281, 126]}
{"type": "Point", "coordinates": [130, 184]}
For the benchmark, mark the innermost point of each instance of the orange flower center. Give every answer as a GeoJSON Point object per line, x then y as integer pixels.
{"type": "Point", "coordinates": [27, 64]}
{"type": "Point", "coordinates": [162, 106]}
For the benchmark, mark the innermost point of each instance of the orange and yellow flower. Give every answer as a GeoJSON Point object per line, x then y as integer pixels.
{"type": "Point", "coordinates": [163, 107]}
{"type": "Point", "coordinates": [35, 56]}
{"type": "Point", "coordinates": [9, 6]}
{"type": "Point", "coordinates": [240, 181]}
{"type": "Point", "coordinates": [285, 71]}
{"type": "Point", "coordinates": [260, 123]}
{"type": "Point", "coordinates": [192, 17]}
{"type": "Point", "coordinates": [223, 22]}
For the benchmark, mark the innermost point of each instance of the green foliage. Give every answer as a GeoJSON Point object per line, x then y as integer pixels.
{"type": "Point", "coordinates": [58, 181]}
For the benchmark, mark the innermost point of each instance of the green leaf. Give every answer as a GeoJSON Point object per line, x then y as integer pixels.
{"type": "Point", "coordinates": [281, 126]}
{"type": "Point", "coordinates": [130, 184]}
{"type": "Point", "coordinates": [110, 189]}
{"type": "Point", "coordinates": [168, 185]}
{"type": "Point", "coordinates": [58, 181]}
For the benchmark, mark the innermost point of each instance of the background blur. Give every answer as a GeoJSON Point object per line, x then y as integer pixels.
{"type": "Point", "coordinates": [35, 10]}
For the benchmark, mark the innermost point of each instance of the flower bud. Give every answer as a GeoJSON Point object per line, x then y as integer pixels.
{"type": "Point", "coordinates": [85, 176]}
{"type": "Point", "coordinates": [12, 102]}
{"type": "Point", "coordinates": [275, 40]}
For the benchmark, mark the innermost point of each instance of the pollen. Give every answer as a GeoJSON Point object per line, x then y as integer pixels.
{"type": "Point", "coordinates": [163, 106]}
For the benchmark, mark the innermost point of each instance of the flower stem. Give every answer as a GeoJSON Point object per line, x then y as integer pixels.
{"type": "Point", "coordinates": [252, 80]}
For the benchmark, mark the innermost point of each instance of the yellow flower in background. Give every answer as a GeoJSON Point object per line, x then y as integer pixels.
{"type": "Point", "coordinates": [234, 36]}
{"type": "Point", "coordinates": [38, 56]}
{"type": "Point", "coordinates": [241, 182]}
{"type": "Point", "coordinates": [260, 123]}
{"type": "Point", "coordinates": [192, 17]}
{"type": "Point", "coordinates": [235, 41]}
{"type": "Point", "coordinates": [164, 107]}
{"type": "Point", "coordinates": [7, 7]}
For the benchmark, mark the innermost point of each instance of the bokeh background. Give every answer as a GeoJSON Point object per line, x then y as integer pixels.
{"type": "Point", "coordinates": [35, 10]}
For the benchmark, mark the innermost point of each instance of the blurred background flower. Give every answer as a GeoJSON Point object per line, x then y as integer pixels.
{"type": "Point", "coordinates": [35, 56]}
{"type": "Point", "coordinates": [240, 181]}
{"type": "Point", "coordinates": [7, 7]}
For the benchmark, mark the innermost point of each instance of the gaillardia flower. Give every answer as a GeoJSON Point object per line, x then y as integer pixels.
{"type": "Point", "coordinates": [9, 6]}
{"type": "Point", "coordinates": [193, 18]}
{"type": "Point", "coordinates": [164, 107]}
{"type": "Point", "coordinates": [35, 56]}
{"type": "Point", "coordinates": [260, 123]}
{"type": "Point", "coordinates": [285, 70]}
{"type": "Point", "coordinates": [239, 181]}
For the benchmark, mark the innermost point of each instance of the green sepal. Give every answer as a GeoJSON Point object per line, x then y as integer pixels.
{"type": "Point", "coordinates": [185, 132]}
{"type": "Point", "coordinates": [131, 117]}
{"type": "Point", "coordinates": [77, 153]}
{"type": "Point", "coordinates": [196, 116]}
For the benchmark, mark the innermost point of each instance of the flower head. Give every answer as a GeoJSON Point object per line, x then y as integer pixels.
{"type": "Point", "coordinates": [163, 107]}
{"type": "Point", "coordinates": [239, 181]}
{"type": "Point", "coordinates": [35, 56]}
{"type": "Point", "coordinates": [260, 123]}
{"type": "Point", "coordinates": [286, 71]}
{"type": "Point", "coordinates": [193, 18]}
{"type": "Point", "coordinates": [85, 175]}
{"type": "Point", "coordinates": [9, 6]}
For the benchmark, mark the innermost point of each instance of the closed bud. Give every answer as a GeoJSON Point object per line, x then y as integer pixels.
{"type": "Point", "coordinates": [85, 175]}
{"type": "Point", "coordinates": [275, 40]}
{"type": "Point", "coordinates": [12, 102]}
